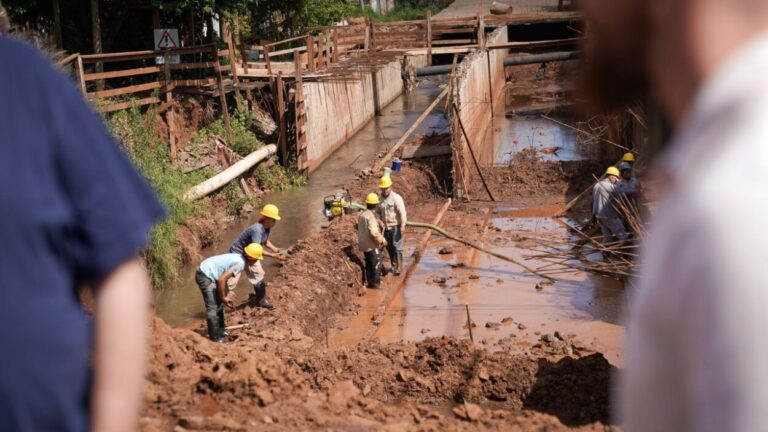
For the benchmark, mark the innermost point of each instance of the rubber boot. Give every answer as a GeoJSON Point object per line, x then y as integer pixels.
{"type": "Point", "coordinates": [261, 293]}
{"type": "Point", "coordinates": [398, 264]}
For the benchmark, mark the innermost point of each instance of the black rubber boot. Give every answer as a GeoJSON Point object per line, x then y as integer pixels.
{"type": "Point", "coordinates": [373, 268]}
{"type": "Point", "coordinates": [398, 264]}
{"type": "Point", "coordinates": [261, 293]}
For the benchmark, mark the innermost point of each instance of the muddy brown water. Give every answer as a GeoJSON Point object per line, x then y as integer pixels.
{"type": "Point", "coordinates": [496, 291]}
{"type": "Point", "coordinates": [301, 208]}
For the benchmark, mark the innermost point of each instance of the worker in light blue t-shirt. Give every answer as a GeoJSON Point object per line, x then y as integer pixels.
{"type": "Point", "coordinates": [215, 277]}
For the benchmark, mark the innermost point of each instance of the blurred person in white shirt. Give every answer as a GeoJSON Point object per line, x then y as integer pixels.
{"type": "Point", "coordinates": [696, 355]}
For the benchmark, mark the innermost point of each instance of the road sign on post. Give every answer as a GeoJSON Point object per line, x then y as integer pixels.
{"type": "Point", "coordinates": [166, 39]}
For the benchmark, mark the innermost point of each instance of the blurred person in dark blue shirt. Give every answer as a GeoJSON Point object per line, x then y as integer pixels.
{"type": "Point", "coordinates": [75, 211]}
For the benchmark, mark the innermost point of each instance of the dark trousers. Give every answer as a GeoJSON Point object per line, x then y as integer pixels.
{"type": "Point", "coordinates": [261, 290]}
{"type": "Point", "coordinates": [373, 268]}
{"type": "Point", "coordinates": [214, 306]}
{"type": "Point", "coordinates": [394, 239]}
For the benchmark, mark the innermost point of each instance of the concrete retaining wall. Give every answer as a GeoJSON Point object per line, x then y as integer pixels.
{"type": "Point", "coordinates": [337, 110]}
{"type": "Point", "coordinates": [472, 93]}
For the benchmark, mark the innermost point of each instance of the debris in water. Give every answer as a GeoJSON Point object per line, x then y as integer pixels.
{"type": "Point", "coordinates": [445, 250]}
{"type": "Point", "coordinates": [521, 326]}
{"type": "Point", "coordinates": [507, 320]}
{"type": "Point", "coordinates": [474, 276]}
{"type": "Point", "coordinates": [492, 325]}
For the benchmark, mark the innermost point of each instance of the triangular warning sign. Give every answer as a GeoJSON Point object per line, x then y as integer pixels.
{"type": "Point", "coordinates": [166, 41]}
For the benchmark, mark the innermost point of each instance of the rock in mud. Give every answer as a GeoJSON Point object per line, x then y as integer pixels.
{"type": "Point", "coordinates": [468, 411]}
{"type": "Point", "coordinates": [492, 325]}
{"type": "Point", "coordinates": [474, 276]}
{"type": "Point", "coordinates": [445, 250]}
{"type": "Point", "coordinates": [507, 320]}
{"type": "Point", "coordinates": [499, 281]}
{"type": "Point", "coordinates": [341, 393]}
{"type": "Point", "coordinates": [521, 326]}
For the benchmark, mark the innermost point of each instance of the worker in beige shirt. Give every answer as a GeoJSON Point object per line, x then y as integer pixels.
{"type": "Point", "coordinates": [370, 240]}
{"type": "Point", "coordinates": [392, 214]}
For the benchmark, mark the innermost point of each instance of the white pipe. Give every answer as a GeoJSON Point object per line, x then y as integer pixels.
{"type": "Point", "coordinates": [236, 170]}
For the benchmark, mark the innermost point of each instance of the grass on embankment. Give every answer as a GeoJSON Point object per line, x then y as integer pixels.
{"type": "Point", "coordinates": [139, 139]}
{"type": "Point", "coordinates": [409, 10]}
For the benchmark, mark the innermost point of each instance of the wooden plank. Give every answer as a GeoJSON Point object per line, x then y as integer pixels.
{"type": "Point", "coordinates": [193, 82]}
{"type": "Point", "coordinates": [282, 139]}
{"type": "Point", "coordinates": [68, 59]}
{"type": "Point", "coordinates": [124, 90]}
{"type": "Point", "coordinates": [122, 73]}
{"type": "Point", "coordinates": [222, 96]}
{"type": "Point", "coordinates": [285, 51]}
{"type": "Point", "coordinates": [310, 54]}
{"type": "Point", "coordinates": [321, 63]}
{"type": "Point", "coordinates": [449, 42]}
{"type": "Point", "coordinates": [146, 54]}
{"type": "Point", "coordinates": [284, 41]}
{"type": "Point", "coordinates": [480, 31]}
{"type": "Point", "coordinates": [335, 40]}
{"type": "Point", "coordinates": [81, 74]}
{"type": "Point", "coordinates": [188, 66]}
{"type": "Point", "coordinates": [265, 54]}
{"type": "Point", "coordinates": [429, 37]}
{"type": "Point", "coordinates": [128, 104]}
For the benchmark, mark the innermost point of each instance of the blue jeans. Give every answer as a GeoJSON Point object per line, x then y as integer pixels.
{"type": "Point", "coordinates": [214, 306]}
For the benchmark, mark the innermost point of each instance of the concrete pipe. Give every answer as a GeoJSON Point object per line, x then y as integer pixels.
{"type": "Point", "coordinates": [236, 170]}
{"type": "Point", "coordinates": [509, 61]}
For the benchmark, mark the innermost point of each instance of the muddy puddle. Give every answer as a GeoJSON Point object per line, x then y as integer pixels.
{"type": "Point", "coordinates": [301, 208]}
{"type": "Point", "coordinates": [502, 300]}
{"type": "Point", "coordinates": [552, 141]}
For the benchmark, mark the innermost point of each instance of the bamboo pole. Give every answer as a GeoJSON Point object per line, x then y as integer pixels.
{"type": "Point", "coordinates": [380, 164]}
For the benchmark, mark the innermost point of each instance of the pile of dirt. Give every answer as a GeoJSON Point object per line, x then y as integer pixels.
{"type": "Point", "coordinates": [529, 176]}
{"type": "Point", "coordinates": [437, 384]}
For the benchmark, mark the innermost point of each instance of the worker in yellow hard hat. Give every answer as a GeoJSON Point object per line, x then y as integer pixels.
{"type": "Point", "coordinates": [603, 209]}
{"type": "Point", "coordinates": [370, 240]}
{"type": "Point", "coordinates": [628, 157]}
{"type": "Point", "coordinates": [216, 277]}
{"type": "Point", "coordinates": [392, 213]}
{"type": "Point", "coordinates": [259, 233]}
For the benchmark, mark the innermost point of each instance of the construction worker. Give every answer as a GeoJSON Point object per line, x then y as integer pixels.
{"type": "Point", "coordinates": [392, 214]}
{"type": "Point", "coordinates": [627, 185]}
{"type": "Point", "coordinates": [603, 209]}
{"type": "Point", "coordinates": [215, 277]}
{"type": "Point", "coordinates": [370, 240]}
{"type": "Point", "coordinates": [629, 158]}
{"type": "Point", "coordinates": [259, 233]}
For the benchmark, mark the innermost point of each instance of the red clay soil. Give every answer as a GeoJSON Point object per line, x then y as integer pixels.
{"type": "Point", "coordinates": [276, 372]}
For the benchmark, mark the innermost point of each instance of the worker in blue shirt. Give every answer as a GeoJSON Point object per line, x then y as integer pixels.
{"type": "Point", "coordinates": [75, 213]}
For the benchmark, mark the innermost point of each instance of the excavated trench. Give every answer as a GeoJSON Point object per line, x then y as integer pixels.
{"type": "Point", "coordinates": [465, 341]}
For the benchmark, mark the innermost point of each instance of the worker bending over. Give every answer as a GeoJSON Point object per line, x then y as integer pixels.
{"type": "Point", "coordinates": [602, 207]}
{"type": "Point", "coordinates": [370, 240]}
{"type": "Point", "coordinates": [215, 276]}
{"type": "Point", "coordinates": [392, 214]}
{"type": "Point", "coordinates": [259, 233]}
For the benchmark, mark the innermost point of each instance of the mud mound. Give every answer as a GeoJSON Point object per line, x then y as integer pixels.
{"type": "Point", "coordinates": [529, 176]}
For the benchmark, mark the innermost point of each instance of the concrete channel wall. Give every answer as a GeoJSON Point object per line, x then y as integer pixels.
{"type": "Point", "coordinates": [336, 110]}
{"type": "Point", "coordinates": [476, 85]}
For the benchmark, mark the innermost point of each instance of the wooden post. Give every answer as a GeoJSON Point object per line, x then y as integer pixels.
{"type": "Point", "coordinates": [373, 35]}
{"type": "Point", "coordinates": [282, 139]}
{"type": "Point", "coordinates": [222, 95]}
{"type": "Point", "coordinates": [490, 83]}
{"type": "Point", "coordinates": [227, 34]}
{"type": "Point", "coordinates": [155, 18]}
{"type": "Point", "coordinates": [96, 36]}
{"type": "Point", "coordinates": [429, 37]}
{"type": "Point", "coordinates": [311, 54]}
{"type": "Point", "coordinates": [321, 51]}
{"type": "Point", "coordinates": [265, 54]}
{"type": "Point", "coordinates": [301, 136]}
{"type": "Point", "coordinates": [57, 25]}
{"type": "Point", "coordinates": [81, 75]}
{"type": "Point", "coordinates": [236, 33]}
{"type": "Point", "coordinates": [169, 113]}
{"type": "Point", "coordinates": [367, 40]}
{"type": "Point", "coordinates": [335, 38]}
{"type": "Point", "coordinates": [480, 30]}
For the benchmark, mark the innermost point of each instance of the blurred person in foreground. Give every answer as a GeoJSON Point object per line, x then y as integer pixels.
{"type": "Point", "coordinates": [75, 212]}
{"type": "Point", "coordinates": [696, 357]}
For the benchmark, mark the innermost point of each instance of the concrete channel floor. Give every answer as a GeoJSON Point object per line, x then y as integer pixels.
{"type": "Point", "coordinates": [508, 310]}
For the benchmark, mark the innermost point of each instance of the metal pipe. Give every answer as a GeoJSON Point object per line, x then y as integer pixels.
{"type": "Point", "coordinates": [509, 61]}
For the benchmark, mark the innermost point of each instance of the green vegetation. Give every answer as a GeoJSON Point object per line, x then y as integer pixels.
{"type": "Point", "coordinates": [150, 154]}
{"type": "Point", "coordinates": [408, 10]}
{"type": "Point", "coordinates": [138, 137]}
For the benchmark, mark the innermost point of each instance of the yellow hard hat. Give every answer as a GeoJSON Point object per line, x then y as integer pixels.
{"type": "Point", "coordinates": [255, 251]}
{"type": "Point", "coordinates": [628, 157]}
{"type": "Point", "coordinates": [613, 171]}
{"type": "Point", "coordinates": [271, 211]}
{"type": "Point", "coordinates": [385, 182]}
{"type": "Point", "coordinates": [372, 198]}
